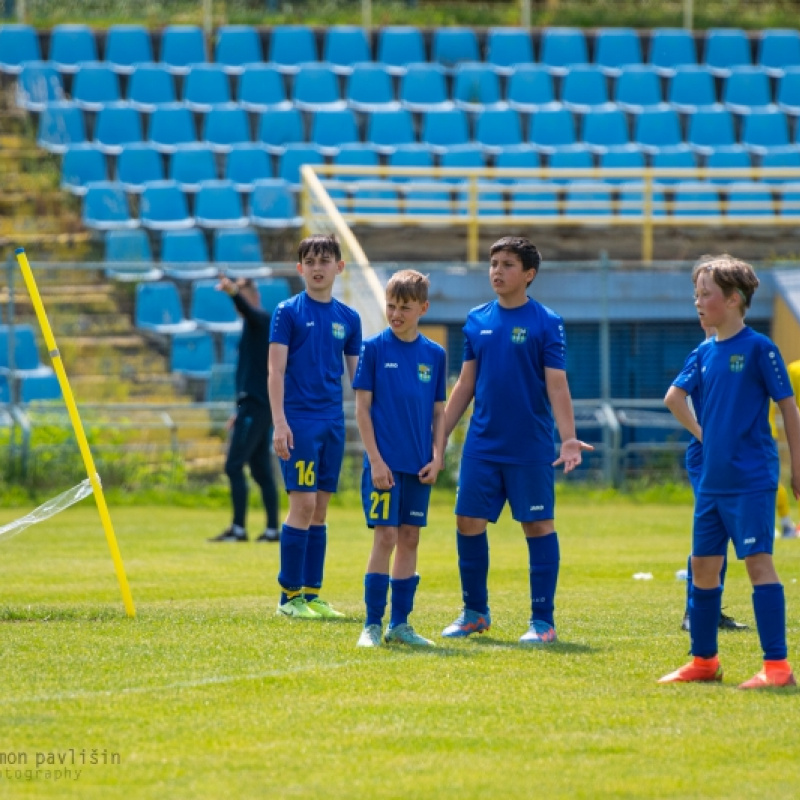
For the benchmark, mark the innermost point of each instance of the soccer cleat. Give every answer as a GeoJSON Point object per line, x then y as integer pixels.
{"type": "Point", "coordinates": [727, 623]}
{"type": "Point", "coordinates": [697, 670]}
{"type": "Point", "coordinates": [468, 622]}
{"type": "Point", "coordinates": [297, 608]}
{"type": "Point", "coordinates": [322, 608]}
{"type": "Point", "coordinates": [229, 535]}
{"type": "Point", "coordinates": [788, 531]}
{"type": "Point", "coordinates": [539, 632]}
{"type": "Point", "coordinates": [370, 636]}
{"type": "Point", "coordinates": [405, 634]}
{"type": "Point", "coordinates": [269, 535]}
{"type": "Point", "coordinates": [774, 673]}
{"type": "Point", "coordinates": [685, 624]}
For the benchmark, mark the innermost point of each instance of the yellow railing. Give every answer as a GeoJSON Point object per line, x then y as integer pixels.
{"type": "Point", "coordinates": [645, 198]}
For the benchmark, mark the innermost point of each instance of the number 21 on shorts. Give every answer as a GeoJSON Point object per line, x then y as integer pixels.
{"type": "Point", "coordinates": [378, 499]}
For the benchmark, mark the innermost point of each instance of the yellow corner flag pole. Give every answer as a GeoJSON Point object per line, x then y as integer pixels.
{"type": "Point", "coordinates": [88, 461]}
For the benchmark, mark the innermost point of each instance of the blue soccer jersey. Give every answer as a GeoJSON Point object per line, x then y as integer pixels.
{"type": "Point", "coordinates": [738, 377]}
{"type": "Point", "coordinates": [318, 336]}
{"type": "Point", "coordinates": [689, 380]}
{"type": "Point", "coordinates": [406, 379]}
{"type": "Point", "coordinates": [512, 421]}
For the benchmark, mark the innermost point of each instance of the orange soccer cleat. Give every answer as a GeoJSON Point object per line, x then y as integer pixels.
{"type": "Point", "coordinates": [774, 673]}
{"type": "Point", "coordinates": [698, 670]}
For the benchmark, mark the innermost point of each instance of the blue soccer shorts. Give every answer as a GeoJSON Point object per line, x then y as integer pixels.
{"type": "Point", "coordinates": [315, 461]}
{"type": "Point", "coordinates": [748, 520]}
{"type": "Point", "coordinates": [406, 503]}
{"type": "Point", "coordinates": [484, 487]}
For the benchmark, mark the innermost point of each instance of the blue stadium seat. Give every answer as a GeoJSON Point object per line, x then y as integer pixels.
{"type": "Point", "coordinates": [225, 126]}
{"type": "Point", "coordinates": [616, 49]}
{"type": "Point", "coordinates": [18, 44]}
{"type": "Point", "coordinates": [26, 352]}
{"type": "Point", "coordinates": [94, 86]}
{"type": "Point", "coordinates": [184, 255]}
{"type": "Point", "coordinates": [295, 156]}
{"type": "Point", "coordinates": [410, 155]}
{"type": "Point", "coordinates": [116, 126]}
{"type": "Point", "coordinates": [239, 251]}
{"type": "Point", "coordinates": [129, 257]}
{"type": "Point", "coordinates": [747, 89]}
{"type": "Point", "coordinates": [587, 198]}
{"type": "Point", "coordinates": [442, 129]}
{"type": "Point", "coordinates": [273, 205]}
{"type": "Point", "coordinates": [749, 199]}
{"type": "Point", "coordinates": [150, 86]}
{"type": "Point", "coordinates": [331, 129]}
{"type": "Point", "coordinates": [788, 92]}
{"type": "Point", "coordinates": [205, 86]}
{"type": "Point", "coordinates": [70, 45]}
{"type": "Point", "coordinates": [550, 129]}
{"type": "Point", "coordinates": [127, 46]}
{"type": "Point", "coordinates": [691, 89]}
{"type": "Point", "coordinates": [656, 129]}
{"type": "Point", "coordinates": [137, 165]}
{"type": "Point", "coordinates": [497, 129]}
{"type": "Point", "coordinates": [789, 198]}
{"type": "Point", "coordinates": [38, 84]}
{"type": "Point", "coordinates": [508, 49]}
{"type": "Point", "coordinates": [637, 88]}
{"type": "Point", "coordinates": [726, 48]}
{"type": "Point", "coordinates": [163, 207]}
{"type": "Point", "coordinates": [315, 88]}
{"type": "Point", "coordinates": [280, 127]}
{"type": "Point", "coordinates": [530, 89]}
{"type": "Point", "coordinates": [219, 205]}
{"type": "Point", "coordinates": [355, 155]}
{"type": "Point", "coordinates": [584, 89]}
{"type": "Point", "coordinates": [105, 206]}
{"type": "Point", "coordinates": [345, 46]}
{"type": "Point", "coordinates": [424, 88]}
{"type": "Point", "coordinates": [171, 126]}
{"type": "Point", "coordinates": [533, 198]}
{"type": "Point", "coordinates": [779, 157]}
{"type": "Point", "coordinates": [763, 130]}
{"type": "Point", "coordinates": [221, 386]}
{"type": "Point", "coordinates": [778, 50]}
{"type": "Point", "coordinates": [237, 46]}
{"type": "Point", "coordinates": [671, 48]}
{"type": "Point", "coordinates": [398, 46]}
{"type": "Point", "coordinates": [562, 49]}
{"type": "Point", "coordinates": [82, 164]}
{"type": "Point", "coordinates": [576, 156]}
{"type": "Point", "coordinates": [38, 388]}
{"type": "Point", "coordinates": [696, 199]}
{"type": "Point", "coordinates": [60, 126]}
{"type": "Point", "coordinates": [388, 129]}
{"type": "Point", "coordinates": [632, 200]}
{"type": "Point", "coordinates": [158, 308]}
{"type": "Point", "coordinates": [733, 157]}
{"type": "Point", "coordinates": [710, 129]}
{"type": "Point", "coordinates": [604, 129]}
{"type": "Point", "coordinates": [212, 310]}
{"type": "Point", "coordinates": [192, 353]}
{"type": "Point", "coordinates": [476, 87]}
{"type": "Point", "coordinates": [262, 88]}
{"type": "Point", "coordinates": [681, 157]}
{"type": "Point", "coordinates": [247, 163]}
{"type": "Point", "coordinates": [191, 166]}
{"type": "Point", "coordinates": [372, 199]}
{"type": "Point", "coordinates": [454, 45]}
{"type": "Point", "coordinates": [622, 158]}
{"type": "Point", "coordinates": [272, 292]}
{"type": "Point", "coordinates": [369, 88]}
{"type": "Point", "coordinates": [521, 156]}
{"type": "Point", "coordinates": [428, 202]}
{"type": "Point", "coordinates": [182, 46]}
{"type": "Point", "coordinates": [290, 46]}
{"type": "Point", "coordinates": [462, 156]}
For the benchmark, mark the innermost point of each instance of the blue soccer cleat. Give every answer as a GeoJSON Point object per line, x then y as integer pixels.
{"type": "Point", "coordinates": [539, 632]}
{"type": "Point", "coordinates": [468, 622]}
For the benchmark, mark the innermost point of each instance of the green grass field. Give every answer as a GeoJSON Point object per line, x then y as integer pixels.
{"type": "Point", "coordinates": [206, 694]}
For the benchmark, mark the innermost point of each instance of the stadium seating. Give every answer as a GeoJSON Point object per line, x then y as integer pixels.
{"type": "Point", "coordinates": [616, 49]}
{"type": "Point", "coordinates": [117, 125]}
{"type": "Point", "coordinates": [789, 198]}
{"type": "Point", "coordinates": [239, 253]}
{"type": "Point", "coordinates": [522, 156]}
{"type": "Point", "coordinates": [680, 157]}
{"type": "Point", "coordinates": [373, 199]}
{"type": "Point", "coordinates": [333, 128]}
{"type": "Point", "coordinates": [137, 165]}
{"type": "Point", "coordinates": [369, 88]}
{"type": "Point", "coordinates": [763, 130]}
{"type": "Point", "coordinates": [778, 50]}
{"type": "Point", "coordinates": [410, 155]}
{"type": "Point", "coordinates": [562, 49]}
{"type": "Point", "coordinates": [273, 291]}
{"type": "Point", "coordinates": [604, 129]}
{"type": "Point", "coordinates": [205, 86]}
{"type": "Point", "coordinates": [638, 88]}
{"type": "Point", "coordinates": [696, 199]}
{"type": "Point", "coordinates": [273, 205]}
{"type": "Point", "coordinates": [747, 89]}
{"type": "Point", "coordinates": [184, 255]}
{"type": "Point", "coordinates": [171, 125]}
{"type": "Point", "coordinates": [344, 47]}
{"type": "Point", "coordinates": [709, 129]}
{"type": "Point", "coordinates": [225, 126]}
{"type": "Point", "coordinates": [261, 88]}
{"type": "Point", "coordinates": [212, 309]}
{"type": "Point", "coordinates": [575, 156]}
{"type": "Point", "coordinates": [128, 256]}
{"type": "Point", "coordinates": [733, 157]}
{"type": "Point", "coordinates": [454, 45]}
{"type": "Point", "coordinates": [587, 198]}
{"type": "Point", "coordinates": [163, 207]}
{"type": "Point", "coordinates": [726, 48]}
{"type": "Point", "coordinates": [280, 127]}
{"type": "Point", "coordinates": [182, 46]}
{"type": "Point", "coordinates": [70, 45]}
{"type": "Point", "coordinates": [219, 205]}
{"type": "Point", "coordinates": [398, 46]}
{"type": "Point", "coordinates": [632, 200]}
{"type": "Point", "coordinates": [584, 89]}
{"type": "Point", "coordinates": [476, 87]}
{"type": "Point", "coordinates": [671, 48]}
{"type": "Point", "coordinates": [356, 155]}
{"type": "Point", "coordinates": [748, 199]}
{"type": "Point", "coordinates": [443, 129]}
{"type": "Point", "coordinates": [316, 87]}
{"type": "Point", "coordinates": [552, 128]}
{"type": "Point", "coordinates": [150, 86]}
{"type": "Point", "coordinates": [530, 89]}
{"type": "Point", "coordinates": [105, 206]}
{"type": "Point", "coordinates": [427, 201]}
{"type": "Point", "coordinates": [38, 83]}
{"type": "Point", "coordinates": [60, 126]}
{"type": "Point", "coordinates": [423, 88]}
{"type": "Point", "coordinates": [692, 88]}
{"type": "Point", "coordinates": [127, 46]}
{"type": "Point", "coordinates": [388, 129]}
{"type": "Point", "coordinates": [247, 163]}
{"type": "Point", "coordinates": [18, 44]}
{"type": "Point", "coordinates": [82, 164]}
{"type": "Point", "coordinates": [497, 129]}
{"type": "Point", "coordinates": [294, 157]}
{"type": "Point", "coordinates": [230, 347]}
{"type": "Point", "coordinates": [157, 307]}
{"type": "Point", "coordinates": [191, 166]}
{"type": "Point", "coordinates": [291, 46]}
{"type": "Point", "coordinates": [463, 156]}
{"type": "Point", "coordinates": [778, 157]}
{"type": "Point", "coordinates": [237, 46]}
{"type": "Point", "coordinates": [37, 388]}
{"type": "Point", "coordinates": [94, 86]}
{"type": "Point", "coordinates": [221, 385]}
{"type": "Point", "coordinates": [25, 352]}
{"type": "Point", "coordinates": [622, 158]}
{"type": "Point", "coordinates": [655, 129]}
{"type": "Point", "coordinates": [192, 353]}
{"type": "Point", "coordinates": [508, 49]}
{"type": "Point", "coordinates": [788, 93]}
{"type": "Point", "coordinates": [534, 198]}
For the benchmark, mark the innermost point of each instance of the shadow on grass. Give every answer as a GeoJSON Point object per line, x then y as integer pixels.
{"type": "Point", "coordinates": [52, 614]}
{"type": "Point", "coordinates": [558, 647]}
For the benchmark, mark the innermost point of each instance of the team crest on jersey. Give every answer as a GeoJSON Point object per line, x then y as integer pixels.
{"type": "Point", "coordinates": [519, 335]}
{"type": "Point", "coordinates": [737, 363]}
{"type": "Point", "coordinates": [424, 372]}
{"type": "Point", "coordinates": [338, 330]}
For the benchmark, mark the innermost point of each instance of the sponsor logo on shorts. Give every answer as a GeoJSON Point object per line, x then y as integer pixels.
{"type": "Point", "coordinates": [751, 540]}
{"type": "Point", "coordinates": [416, 514]}
{"type": "Point", "coordinates": [424, 372]}
{"type": "Point", "coordinates": [537, 508]}
{"type": "Point", "coordinates": [486, 332]}
{"type": "Point", "coordinates": [338, 330]}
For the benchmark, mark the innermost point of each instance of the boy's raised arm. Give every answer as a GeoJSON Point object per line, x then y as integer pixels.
{"type": "Point", "coordinates": [460, 397]}
{"type": "Point", "coordinates": [791, 428]}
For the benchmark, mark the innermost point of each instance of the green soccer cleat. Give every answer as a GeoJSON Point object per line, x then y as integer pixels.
{"type": "Point", "coordinates": [405, 634]}
{"type": "Point", "coordinates": [370, 636]}
{"type": "Point", "coordinates": [297, 608]}
{"type": "Point", "coordinates": [322, 608]}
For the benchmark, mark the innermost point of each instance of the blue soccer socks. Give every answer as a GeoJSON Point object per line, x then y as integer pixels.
{"type": "Point", "coordinates": [543, 560]}
{"type": "Point", "coordinates": [314, 564]}
{"type": "Point", "coordinates": [769, 605]}
{"type": "Point", "coordinates": [376, 588]}
{"type": "Point", "coordinates": [293, 555]}
{"type": "Point", "coordinates": [704, 610]}
{"type": "Point", "coordinates": [473, 565]}
{"type": "Point", "coordinates": [403, 591]}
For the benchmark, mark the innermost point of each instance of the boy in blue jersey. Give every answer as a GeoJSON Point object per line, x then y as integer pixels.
{"type": "Point", "coordinates": [313, 335]}
{"type": "Point", "coordinates": [738, 372]}
{"type": "Point", "coordinates": [686, 387]}
{"type": "Point", "coordinates": [515, 369]}
{"type": "Point", "coordinates": [400, 393]}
